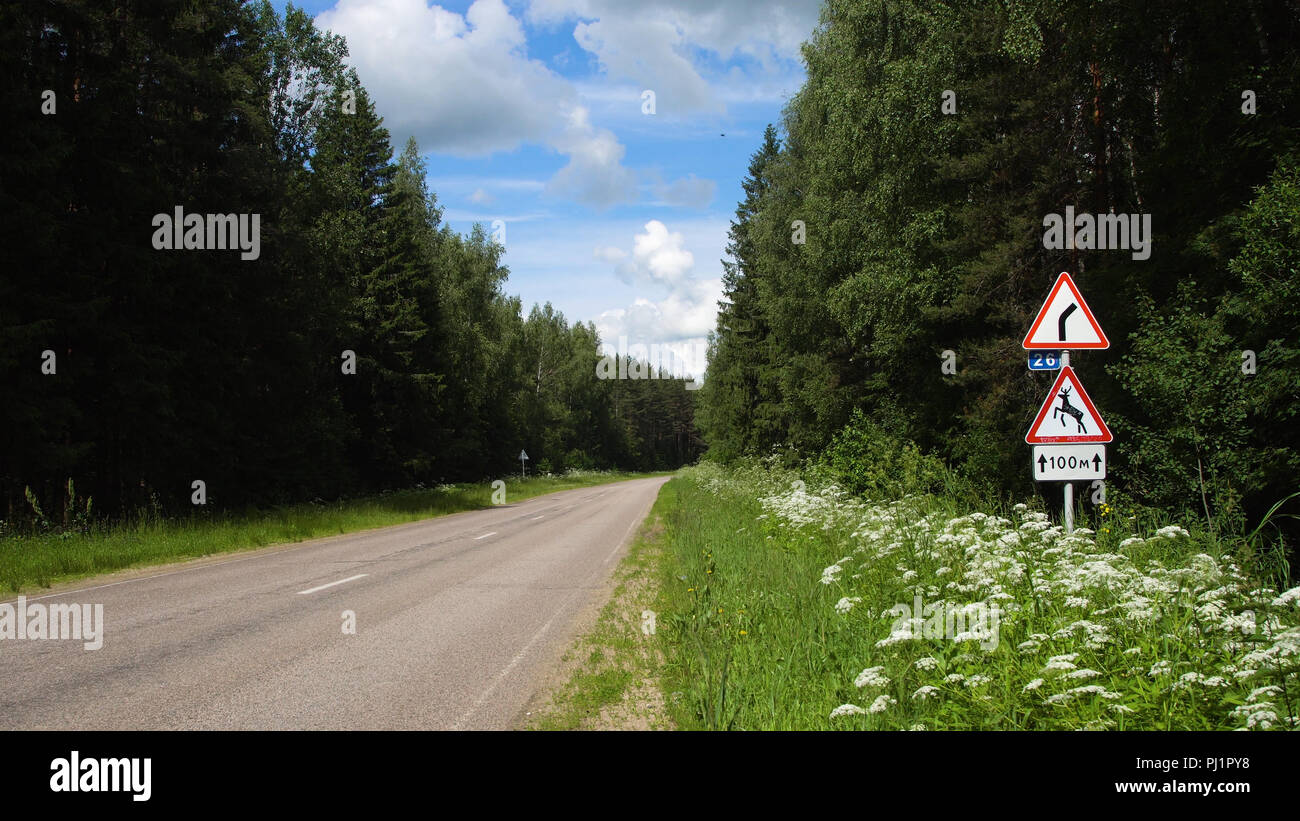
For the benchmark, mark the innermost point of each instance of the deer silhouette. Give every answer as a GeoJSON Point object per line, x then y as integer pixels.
{"type": "Point", "coordinates": [1067, 408]}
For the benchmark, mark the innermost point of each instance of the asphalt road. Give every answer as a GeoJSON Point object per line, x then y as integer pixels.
{"type": "Point", "coordinates": [458, 621]}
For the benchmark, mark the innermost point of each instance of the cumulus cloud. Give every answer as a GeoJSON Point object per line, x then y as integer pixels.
{"type": "Point", "coordinates": [688, 313]}
{"type": "Point", "coordinates": [464, 85]}
{"type": "Point", "coordinates": [460, 84]}
{"type": "Point", "coordinates": [660, 259]}
{"type": "Point", "coordinates": [649, 51]}
{"type": "Point", "coordinates": [658, 256]}
{"type": "Point", "coordinates": [653, 42]}
{"type": "Point", "coordinates": [594, 174]}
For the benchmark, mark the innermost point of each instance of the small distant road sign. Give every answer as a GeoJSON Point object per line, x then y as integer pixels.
{"type": "Point", "coordinates": [1069, 463]}
{"type": "Point", "coordinates": [523, 455]}
{"type": "Point", "coordinates": [1044, 361]}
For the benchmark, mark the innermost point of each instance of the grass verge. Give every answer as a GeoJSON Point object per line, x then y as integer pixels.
{"type": "Point", "coordinates": [42, 560]}
{"type": "Point", "coordinates": [610, 677]}
{"type": "Point", "coordinates": [789, 606]}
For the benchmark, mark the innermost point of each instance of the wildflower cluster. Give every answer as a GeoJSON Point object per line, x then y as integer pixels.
{"type": "Point", "coordinates": [1149, 632]}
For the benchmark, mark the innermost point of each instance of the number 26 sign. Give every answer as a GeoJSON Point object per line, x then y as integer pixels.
{"type": "Point", "coordinates": [1044, 361]}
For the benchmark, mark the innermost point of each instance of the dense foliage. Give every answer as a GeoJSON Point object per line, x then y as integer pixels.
{"type": "Point", "coordinates": [925, 235]}
{"type": "Point", "coordinates": [174, 366]}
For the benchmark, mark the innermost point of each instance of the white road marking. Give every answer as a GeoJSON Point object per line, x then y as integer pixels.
{"type": "Point", "coordinates": [535, 518]}
{"type": "Point", "coordinates": [485, 535]}
{"type": "Point", "coordinates": [331, 584]}
{"type": "Point", "coordinates": [514, 662]}
{"type": "Point", "coordinates": [541, 631]}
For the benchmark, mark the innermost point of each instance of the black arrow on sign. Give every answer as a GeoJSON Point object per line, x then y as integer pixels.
{"type": "Point", "coordinates": [1042, 464]}
{"type": "Point", "coordinates": [1060, 323]}
{"type": "Point", "coordinates": [1096, 463]}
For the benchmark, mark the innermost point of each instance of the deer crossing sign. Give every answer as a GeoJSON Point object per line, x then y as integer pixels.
{"type": "Point", "coordinates": [1067, 415]}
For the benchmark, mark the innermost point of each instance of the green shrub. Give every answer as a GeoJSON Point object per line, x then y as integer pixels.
{"type": "Point", "coordinates": [867, 459]}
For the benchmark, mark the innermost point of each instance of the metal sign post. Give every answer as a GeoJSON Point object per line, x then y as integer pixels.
{"type": "Point", "coordinates": [1069, 486]}
{"type": "Point", "coordinates": [523, 456]}
{"type": "Point", "coordinates": [1069, 507]}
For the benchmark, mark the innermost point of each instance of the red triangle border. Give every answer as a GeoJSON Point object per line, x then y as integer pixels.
{"type": "Point", "coordinates": [1101, 436]}
{"type": "Point", "coordinates": [1061, 281]}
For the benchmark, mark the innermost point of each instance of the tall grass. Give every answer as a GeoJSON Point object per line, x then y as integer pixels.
{"type": "Point", "coordinates": [41, 559]}
{"type": "Point", "coordinates": [779, 597]}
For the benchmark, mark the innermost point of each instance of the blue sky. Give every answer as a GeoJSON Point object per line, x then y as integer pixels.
{"type": "Point", "coordinates": [531, 112]}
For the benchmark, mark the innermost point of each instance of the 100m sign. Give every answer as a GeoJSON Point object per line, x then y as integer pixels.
{"type": "Point", "coordinates": [1068, 463]}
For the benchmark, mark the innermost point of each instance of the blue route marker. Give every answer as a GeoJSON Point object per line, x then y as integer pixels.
{"type": "Point", "coordinates": [1044, 361]}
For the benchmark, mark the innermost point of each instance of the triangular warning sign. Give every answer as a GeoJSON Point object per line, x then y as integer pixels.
{"type": "Point", "coordinates": [1067, 415]}
{"type": "Point", "coordinates": [1065, 321]}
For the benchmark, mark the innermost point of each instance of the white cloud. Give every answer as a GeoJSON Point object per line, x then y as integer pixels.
{"type": "Point", "coordinates": [481, 197]}
{"type": "Point", "coordinates": [660, 259]}
{"type": "Point", "coordinates": [649, 51]}
{"type": "Point", "coordinates": [652, 42]}
{"type": "Point", "coordinates": [690, 312]}
{"type": "Point", "coordinates": [658, 256]}
{"type": "Point", "coordinates": [594, 174]}
{"type": "Point", "coordinates": [463, 85]}
{"type": "Point", "coordinates": [460, 84]}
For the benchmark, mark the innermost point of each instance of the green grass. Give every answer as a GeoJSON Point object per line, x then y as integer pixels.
{"type": "Point", "coordinates": [42, 560]}
{"type": "Point", "coordinates": [1190, 635]}
{"type": "Point", "coordinates": [612, 672]}
{"type": "Point", "coordinates": [749, 632]}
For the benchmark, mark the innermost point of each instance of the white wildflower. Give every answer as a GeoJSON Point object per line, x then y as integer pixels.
{"type": "Point", "coordinates": [845, 604]}
{"type": "Point", "coordinates": [881, 704]}
{"type": "Point", "coordinates": [1291, 596]}
{"type": "Point", "coordinates": [1160, 668]}
{"type": "Point", "coordinates": [871, 677]}
{"type": "Point", "coordinates": [1058, 664]}
{"type": "Point", "coordinates": [1270, 690]}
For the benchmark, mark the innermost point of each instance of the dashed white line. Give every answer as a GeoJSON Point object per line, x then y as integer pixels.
{"type": "Point", "coordinates": [485, 535]}
{"type": "Point", "coordinates": [535, 518]}
{"type": "Point", "coordinates": [331, 584]}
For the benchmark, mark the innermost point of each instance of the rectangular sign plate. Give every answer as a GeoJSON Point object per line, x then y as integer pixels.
{"type": "Point", "coordinates": [1044, 361]}
{"type": "Point", "coordinates": [1069, 463]}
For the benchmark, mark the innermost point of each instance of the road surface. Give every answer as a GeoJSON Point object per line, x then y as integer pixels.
{"type": "Point", "coordinates": [458, 620]}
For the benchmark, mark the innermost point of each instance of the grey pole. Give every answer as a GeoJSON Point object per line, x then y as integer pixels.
{"type": "Point", "coordinates": [1069, 486]}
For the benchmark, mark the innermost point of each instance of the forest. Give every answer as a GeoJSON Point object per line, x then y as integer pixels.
{"type": "Point", "coordinates": [906, 214]}
{"type": "Point", "coordinates": [337, 339]}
